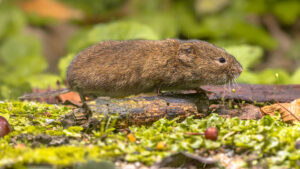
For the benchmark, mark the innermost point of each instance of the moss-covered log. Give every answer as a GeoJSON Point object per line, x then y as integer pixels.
{"type": "Point", "coordinates": [146, 110]}
{"type": "Point", "coordinates": [133, 111]}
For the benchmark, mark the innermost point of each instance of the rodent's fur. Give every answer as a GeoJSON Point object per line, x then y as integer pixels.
{"type": "Point", "coordinates": [122, 68]}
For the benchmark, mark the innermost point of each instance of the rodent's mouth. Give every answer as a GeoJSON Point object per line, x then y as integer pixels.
{"type": "Point", "coordinates": [227, 78]}
{"type": "Point", "coordinates": [231, 78]}
{"type": "Point", "coordinates": [236, 73]}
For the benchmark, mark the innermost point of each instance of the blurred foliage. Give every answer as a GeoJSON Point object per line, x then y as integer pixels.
{"type": "Point", "coordinates": [21, 59]}
{"type": "Point", "coordinates": [120, 30]}
{"type": "Point", "coordinates": [21, 55]}
{"type": "Point", "coordinates": [230, 22]}
{"type": "Point", "coordinates": [11, 20]}
{"type": "Point", "coordinates": [95, 7]}
{"type": "Point", "coordinates": [247, 55]}
{"type": "Point", "coordinates": [164, 24]}
{"type": "Point", "coordinates": [295, 50]}
{"type": "Point", "coordinates": [233, 24]}
{"type": "Point", "coordinates": [287, 11]}
{"type": "Point", "coordinates": [296, 77]}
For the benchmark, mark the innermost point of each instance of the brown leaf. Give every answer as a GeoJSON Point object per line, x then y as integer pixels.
{"type": "Point", "coordinates": [70, 96]}
{"type": "Point", "coordinates": [51, 9]}
{"type": "Point", "coordinates": [289, 111]}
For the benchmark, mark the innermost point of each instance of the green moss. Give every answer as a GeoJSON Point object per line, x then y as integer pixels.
{"type": "Point", "coordinates": [271, 140]}
{"type": "Point", "coordinates": [61, 156]}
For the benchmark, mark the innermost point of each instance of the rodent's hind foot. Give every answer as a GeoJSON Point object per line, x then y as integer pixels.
{"type": "Point", "coordinates": [159, 92]}
{"type": "Point", "coordinates": [70, 103]}
{"type": "Point", "coordinates": [200, 90]}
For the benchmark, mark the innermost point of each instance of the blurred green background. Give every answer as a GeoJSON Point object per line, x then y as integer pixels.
{"type": "Point", "coordinates": [38, 38]}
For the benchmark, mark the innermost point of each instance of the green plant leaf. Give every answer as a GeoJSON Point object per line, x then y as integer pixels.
{"type": "Point", "coordinates": [21, 58]}
{"type": "Point", "coordinates": [274, 76]}
{"type": "Point", "coordinates": [24, 51]}
{"type": "Point", "coordinates": [287, 11]}
{"type": "Point", "coordinates": [248, 77]}
{"type": "Point", "coordinates": [296, 77]}
{"type": "Point", "coordinates": [164, 24]}
{"type": "Point", "coordinates": [120, 30]}
{"type": "Point", "coordinates": [44, 81]}
{"type": "Point", "coordinates": [247, 55]}
{"type": "Point", "coordinates": [12, 20]}
{"type": "Point", "coordinates": [64, 63]}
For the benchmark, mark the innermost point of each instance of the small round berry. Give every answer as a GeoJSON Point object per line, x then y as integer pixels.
{"type": "Point", "coordinates": [297, 145]}
{"type": "Point", "coordinates": [4, 127]}
{"type": "Point", "coordinates": [160, 145]}
{"type": "Point", "coordinates": [211, 133]}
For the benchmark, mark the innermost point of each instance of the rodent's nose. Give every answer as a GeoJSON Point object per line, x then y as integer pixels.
{"type": "Point", "coordinates": [239, 69]}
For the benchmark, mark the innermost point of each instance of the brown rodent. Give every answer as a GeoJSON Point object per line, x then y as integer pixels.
{"type": "Point", "coordinates": [122, 68]}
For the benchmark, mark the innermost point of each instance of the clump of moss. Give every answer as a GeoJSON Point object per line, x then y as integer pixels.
{"type": "Point", "coordinates": [269, 139]}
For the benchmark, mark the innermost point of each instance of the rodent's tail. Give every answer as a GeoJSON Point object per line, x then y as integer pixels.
{"type": "Point", "coordinates": [45, 94]}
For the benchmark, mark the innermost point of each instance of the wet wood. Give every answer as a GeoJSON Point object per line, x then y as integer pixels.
{"type": "Point", "coordinates": [255, 93]}
{"type": "Point", "coordinates": [243, 92]}
{"type": "Point", "coordinates": [144, 110]}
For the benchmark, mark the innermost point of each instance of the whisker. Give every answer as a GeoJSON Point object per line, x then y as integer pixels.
{"type": "Point", "coordinates": [227, 86]}
{"type": "Point", "coordinates": [230, 86]}
{"type": "Point", "coordinates": [234, 84]}
{"type": "Point", "coordinates": [238, 86]}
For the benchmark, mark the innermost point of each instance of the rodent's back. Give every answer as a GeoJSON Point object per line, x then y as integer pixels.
{"type": "Point", "coordinates": [117, 68]}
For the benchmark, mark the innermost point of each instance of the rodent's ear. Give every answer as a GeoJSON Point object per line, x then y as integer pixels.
{"type": "Point", "coordinates": [186, 53]}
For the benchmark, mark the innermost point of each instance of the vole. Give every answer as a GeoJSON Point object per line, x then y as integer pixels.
{"type": "Point", "coordinates": [122, 68]}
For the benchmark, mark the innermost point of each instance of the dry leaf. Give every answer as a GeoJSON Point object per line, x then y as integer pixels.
{"type": "Point", "coordinates": [131, 137]}
{"type": "Point", "coordinates": [50, 8]}
{"type": "Point", "coordinates": [70, 96]}
{"type": "Point", "coordinates": [289, 111]}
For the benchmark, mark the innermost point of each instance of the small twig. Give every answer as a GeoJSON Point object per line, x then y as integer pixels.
{"type": "Point", "coordinates": [228, 134]}
{"type": "Point", "coordinates": [289, 112]}
{"type": "Point", "coordinates": [193, 134]}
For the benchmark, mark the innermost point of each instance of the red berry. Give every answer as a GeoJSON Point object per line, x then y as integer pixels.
{"type": "Point", "coordinates": [297, 145]}
{"type": "Point", "coordinates": [4, 127]}
{"type": "Point", "coordinates": [211, 133]}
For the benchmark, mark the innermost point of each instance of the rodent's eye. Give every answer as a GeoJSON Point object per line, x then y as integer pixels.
{"type": "Point", "coordinates": [222, 60]}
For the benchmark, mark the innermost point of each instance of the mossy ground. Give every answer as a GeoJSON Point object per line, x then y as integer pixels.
{"type": "Point", "coordinates": [38, 138]}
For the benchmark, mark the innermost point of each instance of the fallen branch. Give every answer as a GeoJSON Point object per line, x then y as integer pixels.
{"type": "Point", "coordinates": [146, 110]}
{"type": "Point", "coordinates": [255, 93]}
